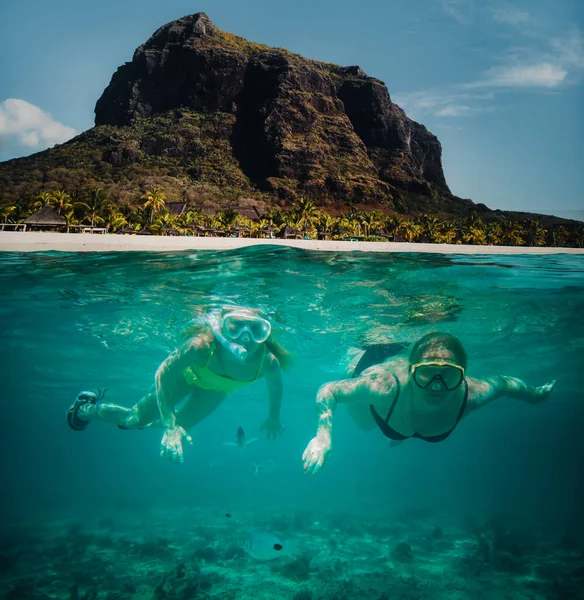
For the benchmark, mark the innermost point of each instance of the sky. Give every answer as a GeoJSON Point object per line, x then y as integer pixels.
{"type": "Point", "coordinates": [501, 84]}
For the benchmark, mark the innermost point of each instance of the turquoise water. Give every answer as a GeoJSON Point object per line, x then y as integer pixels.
{"type": "Point", "coordinates": [99, 512]}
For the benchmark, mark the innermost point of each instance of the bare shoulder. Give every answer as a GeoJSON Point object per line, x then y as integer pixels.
{"type": "Point", "coordinates": [375, 381]}
{"type": "Point", "coordinates": [199, 348]}
{"type": "Point", "coordinates": [386, 373]}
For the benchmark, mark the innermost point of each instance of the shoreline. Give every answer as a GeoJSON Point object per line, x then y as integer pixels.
{"type": "Point", "coordinates": [12, 241]}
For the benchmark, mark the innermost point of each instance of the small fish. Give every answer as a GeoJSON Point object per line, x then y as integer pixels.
{"type": "Point", "coordinates": [228, 515]}
{"type": "Point", "coordinates": [264, 545]}
{"type": "Point", "coordinates": [266, 466]}
{"type": "Point", "coordinates": [240, 439]}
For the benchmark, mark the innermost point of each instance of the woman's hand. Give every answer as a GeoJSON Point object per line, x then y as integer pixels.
{"type": "Point", "coordinates": [272, 427]}
{"type": "Point", "coordinates": [171, 445]}
{"type": "Point", "coordinates": [316, 454]}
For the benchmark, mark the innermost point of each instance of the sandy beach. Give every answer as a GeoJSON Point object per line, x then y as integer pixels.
{"type": "Point", "coordinates": [11, 241]}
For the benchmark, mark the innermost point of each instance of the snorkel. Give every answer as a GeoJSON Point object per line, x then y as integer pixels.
{"type": "Point", "coordinates": [237, 350]}
{"type": "Point", "coordinates": [221, 331]}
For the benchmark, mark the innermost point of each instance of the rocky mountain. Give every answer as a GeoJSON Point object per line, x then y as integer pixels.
{"type": "Point", "coordinates": [209, 116]}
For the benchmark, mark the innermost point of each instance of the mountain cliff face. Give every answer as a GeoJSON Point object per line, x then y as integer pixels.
{"type": "Point", "coordinates": [300, 126]}
{"type": "Point", "coordinates": [201, 109]}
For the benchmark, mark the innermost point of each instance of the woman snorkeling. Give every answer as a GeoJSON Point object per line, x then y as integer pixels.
{"type": "Point", "coordinates": [235, 349]}
{"type": "Point", "coordinates": [422, 397]}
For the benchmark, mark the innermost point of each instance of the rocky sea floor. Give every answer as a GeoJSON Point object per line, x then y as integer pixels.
{"type": "Point", "coordinates": [198, 554]}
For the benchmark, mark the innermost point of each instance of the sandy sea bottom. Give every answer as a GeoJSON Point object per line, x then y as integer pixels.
{"type": "Point", "coordinates": [198, 553]}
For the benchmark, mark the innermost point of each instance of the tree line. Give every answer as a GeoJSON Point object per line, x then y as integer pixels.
{"type": "Point", "coordinates": [93, 207]}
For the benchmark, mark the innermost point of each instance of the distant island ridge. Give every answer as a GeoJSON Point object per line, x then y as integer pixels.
{"type": "Point", "coordinates": [239, 133]}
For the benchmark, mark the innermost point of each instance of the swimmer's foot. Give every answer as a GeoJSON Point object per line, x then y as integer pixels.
{"type": "Point", "coordinates": [83, 399]}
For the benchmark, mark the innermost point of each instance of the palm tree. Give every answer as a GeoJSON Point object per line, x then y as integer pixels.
{"type": "Point", "coordinates": [164, 218]}
{"type": "Point", "coordinates": [410, 231]}
{"type": "Point", "coordinates": [578, 236]}
{"type": "Point", "coordinates": [61, 200]}
{"type": "Point", "coordinates": [326, 223]}
{"type": "Point", "coordinates": [513, 233]}
{"type": "Point", "coordinates": [42, 199]}
{"type": "Point", "coordinates": [448, 233]}
{"type": "Point", "coordinates": [69, 217]}
{"type": "Point", "coordinates": [6, 209]}
{"type": "Point", "coordinates": [275, 216]}
{"type": "Point", "coordinates": [306, 212]}
{"type": "Point", "coordinates": [475, 235]}
{"type": "Point", "coordinates": [394, 224]}
{"type": "Point", "coordinates": [154, 200]}
{"type": "Point", "coordinates": [193, 216]}
{"type": "Point", "coordinates": [226, 218]}
{"type": "Point", "coordinates": [371, 220]}
{"type": "Point", "coordinates": [535, 234]}
{"type": "Point", "coordinates": [494, 233]}
{"type": "Point", "coordinates": [139, 218]}
{"type": "Point", "coordinates": [117, 220]}
{"type": "Point", "coordinates": [96, 203]}
{"type": "Point", "coordinates": [559, 236]}
{"type": "Point", "coordinates": [432, 226]}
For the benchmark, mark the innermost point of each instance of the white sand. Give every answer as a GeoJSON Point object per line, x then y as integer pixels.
{"type": "Point", "coordinates": [12, 241]}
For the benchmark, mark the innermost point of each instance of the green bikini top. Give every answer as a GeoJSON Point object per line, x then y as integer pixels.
{"type": "Point", "coordinates": [203, 377]}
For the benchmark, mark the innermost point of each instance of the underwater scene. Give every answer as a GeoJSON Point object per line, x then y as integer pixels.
{"type": "Point", "coordinates": [273, 423]}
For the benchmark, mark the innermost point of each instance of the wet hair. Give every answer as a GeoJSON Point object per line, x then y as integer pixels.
{"type": "Point", "coordinates": [284, 356]}
{"type": "Point", "coordinates": [437, 339]}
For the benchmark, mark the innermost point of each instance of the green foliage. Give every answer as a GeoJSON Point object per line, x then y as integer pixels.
{"type": "Point", "coordinates": [123, 176]}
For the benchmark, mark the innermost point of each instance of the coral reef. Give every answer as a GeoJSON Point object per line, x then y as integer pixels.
{"type": "Point", "coordinates": [366, 557]}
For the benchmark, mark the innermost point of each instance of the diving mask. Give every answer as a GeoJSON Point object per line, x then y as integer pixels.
{"type": "Point", "coordinates": [236, 324]}
{"type": "Point", "coordinates": [433, 373]}
{"type": "Point", "coordinates": [232, 329]}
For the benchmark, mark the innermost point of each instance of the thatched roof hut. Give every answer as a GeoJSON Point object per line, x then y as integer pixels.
{"type": "Point", "coordinates": [176, 208]}
{"type": "Point", "coordinates": [207, 211]}
{"type": "Point", "coordinates": [45, 217]}
{"type": "Point", "coordinates": [247, 212]}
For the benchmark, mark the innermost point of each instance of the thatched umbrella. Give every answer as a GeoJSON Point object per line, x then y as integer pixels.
{"type": "Point", "coordinates": [268, 230]}
{"type": "Point", "coordinates": [126, 230]}
{"type": "Point", "coordinates": [169, 230]}
{"type": "Point", "coordinates": [290, 232]}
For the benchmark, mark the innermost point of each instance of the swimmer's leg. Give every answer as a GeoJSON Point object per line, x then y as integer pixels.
{"type": "Point", "coordinates": [198, 406]}
{"type": "Point", "coordinates": [376, 354]}
{"type": "Point", "coordinates": [139, 415]}
{"type": "Point", "coordinates": [143, 414]}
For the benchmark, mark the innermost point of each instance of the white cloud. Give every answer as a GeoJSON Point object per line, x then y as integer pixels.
{"type": "Point", "coordinates": [27, 125]}
{"type": "Point", "coordinates": [542, 75]}
{"type": "Point", "coordinates": [456, 110]}
{"type": "Point", "coordinates": [445, 103]}
{"type": "Point", "coordinates": [457, 10]}
{"type": "Point", "coordinates": [569, 49]}
{"type": "Point", "coordinates": [511, 15]}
